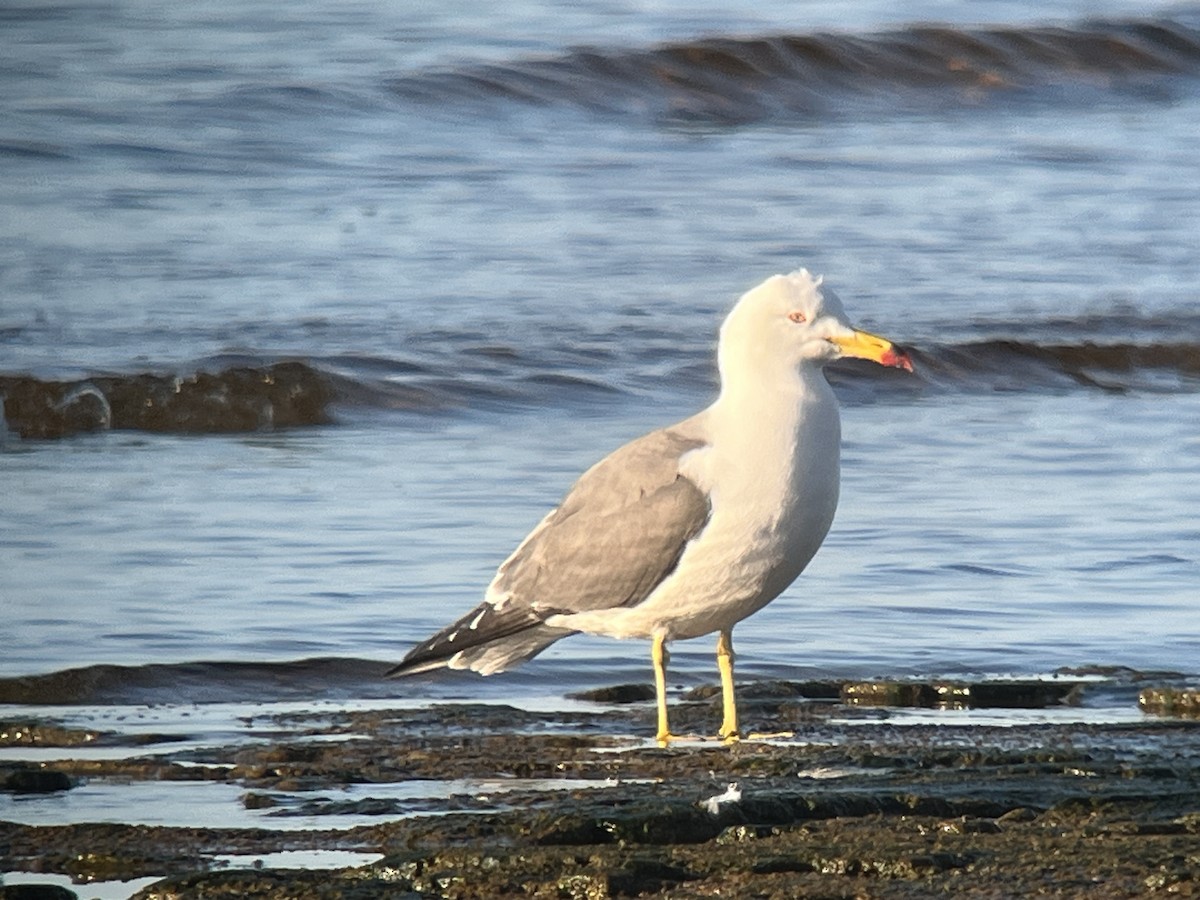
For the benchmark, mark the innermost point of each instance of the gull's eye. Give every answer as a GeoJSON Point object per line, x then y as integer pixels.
{"type": "Point", "coordinates": [797, 317]}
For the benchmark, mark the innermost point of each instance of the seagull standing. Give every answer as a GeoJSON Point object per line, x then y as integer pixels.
{"type": "Point", "coordinates": [691, 528]}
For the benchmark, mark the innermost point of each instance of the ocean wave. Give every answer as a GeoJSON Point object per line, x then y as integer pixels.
{"type": "Point", "coordinates": [201, 682]}
{"type": "Point", "coordinates": [1028, 365]}
{"type": "Point", "coordinates": [331, 678]}
{"type": "Point", "coordinates": [236, 399]}
{"type": "Point", "coordinates": [246, 396]}
{"type": "Point", "coordinates": [737, 79]}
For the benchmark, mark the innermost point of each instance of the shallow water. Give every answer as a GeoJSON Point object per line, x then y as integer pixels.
{"type": "Point", "coordinates": [957, 547]}
{"type": "Point", "coordinates": [201, 734]}
{"type": "Point", "coordinates": [507, 254]}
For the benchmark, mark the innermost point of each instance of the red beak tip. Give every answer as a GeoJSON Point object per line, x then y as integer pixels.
{"type": "Point", "coordinates": [898, 359]}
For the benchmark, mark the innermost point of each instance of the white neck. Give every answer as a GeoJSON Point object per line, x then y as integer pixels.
{"type": "Point", "coordinates": [769, 399]}
{"type": "Point", "coordinates": [771, 467]}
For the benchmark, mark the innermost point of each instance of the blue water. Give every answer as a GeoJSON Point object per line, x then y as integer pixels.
{"type": "Point", "coordinates": [519, 272]}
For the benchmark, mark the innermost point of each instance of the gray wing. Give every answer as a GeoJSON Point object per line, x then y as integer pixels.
{"type": "Point", "coordinates": [618, 533]}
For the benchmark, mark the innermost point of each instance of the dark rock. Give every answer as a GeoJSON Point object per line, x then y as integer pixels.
{"type": "Point", "coordinates": [1168, 701]}
{"type": "Point", "coordinates": [44, 734]}
{"type": "Point", "coordinates": [666, 824]}
{"type": "Point", "coordinates": [36, 892]}
{"type": "Point", "coordinates": [36, 781]}
{"type": "Point", "coordinates": [257, 800]}
{"type": "Point", "coordinates": [1021, 694]}
{"type": "Point", "coordinates": [978, 695]}
{"type": "Point", "coordinates": [36, 409]}
{"type": "Point", "coordinates": [889, 693]}
{"type": "Point", "coordinates": [618, 693]}
{"type": "Point", "coordinates": [236, 399]}
{"type": "Point", "coordinates": [776, 864]}
{"type": "Point", "coordinates": [646, 876]}
{"type": "Point", "coordinates": [969, 810]}
{"type": "Point", "coordinates": [772, 690]}
{"type": "Point", "coordinates": [1017, 816]}
{"type": "Point", "coordinates": [277, 884]}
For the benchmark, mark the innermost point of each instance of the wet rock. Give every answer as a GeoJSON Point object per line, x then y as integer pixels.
{"type": "Point", "coordinates": [783, 865]}
{"type": "Point", "coordinates": [367, 806]}
{"type": "Point", "coordinates": [108, 866]}
{"type": "Point", "coordinates": [620, 693]}
{"type": "Point", "coordinates": [236, 399]}
{"type": "Point", "coordinates": [771, 690]}
{"type": "Point", "coordinates": [36, 892]}
{"type": "Point", "coordinates": [646, 876]}
{"type": "Point", "coordinates": [44, 734]}
{"type": "Point", "coordinates": [736, 834]}
{"type": "Point", "coordinates": [888, 693]}
{"type": "Point", "coordinates": [668, 824]}
{"type": "Point", "coordinates": [36, 409]}
{"type": "Point", "coordinates": [968, 825]}
{"type": "Point", "coordinates": [1016, 817]}
{"type": "Point", "coordinates": [1166, 701]}
{"type": "Point", "coordinates": [277, 885]}
{"type": "Point", "coordinates": [915, 811]}
{"type": "Point", "coordinates": [256, 800]}
{"type": "Point", "coordinates": [979, 695]}
{"type": "Point", "coordinates": [36, 781]}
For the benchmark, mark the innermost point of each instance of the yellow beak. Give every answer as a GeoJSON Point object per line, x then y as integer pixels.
{"type": "Point", "coordinates": [862, 345]}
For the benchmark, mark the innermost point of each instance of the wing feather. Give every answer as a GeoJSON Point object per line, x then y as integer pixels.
{"type": "Point", "coordinates": [618, 533]}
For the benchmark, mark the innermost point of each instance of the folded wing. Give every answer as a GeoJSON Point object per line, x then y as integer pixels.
{"type": "Point", "coordinates": [618, 533]}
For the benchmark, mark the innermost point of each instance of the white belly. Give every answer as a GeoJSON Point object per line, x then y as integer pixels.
{"type": "Point", "coordinates": [737, 567]}
{"type": "Point", "coordinates": [773, 497]}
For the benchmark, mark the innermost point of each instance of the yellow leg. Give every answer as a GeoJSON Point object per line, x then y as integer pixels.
{"type": "Point", "coordinates": [729, 723]}
{"type": "Point", "coordinates": [658, 653]}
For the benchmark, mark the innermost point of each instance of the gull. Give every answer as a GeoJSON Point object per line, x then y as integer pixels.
{"type": "Point", "coordinates": [691, 528]}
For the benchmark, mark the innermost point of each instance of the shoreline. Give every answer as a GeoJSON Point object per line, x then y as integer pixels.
{"type": "Point", "coordinates": [474, 800]}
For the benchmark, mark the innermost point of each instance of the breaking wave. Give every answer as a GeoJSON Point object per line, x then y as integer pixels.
{"type": "Point", "coordinates": [201, 682]}
{"type": "Point", "coordinates": [1025, 365]}
{"type": "Point", "coordinates": [271, 395]}
{"type": "Point", "coordinates": [236, 399]}
{"type": "Point", "coordinates": [735, 79]}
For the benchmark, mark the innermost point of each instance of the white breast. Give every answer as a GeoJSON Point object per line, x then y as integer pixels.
{"type": "Point", "coordinates": [772, 477]}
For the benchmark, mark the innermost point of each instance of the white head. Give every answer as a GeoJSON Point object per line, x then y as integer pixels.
{"type": "Point", "coordinates": [790, 323]}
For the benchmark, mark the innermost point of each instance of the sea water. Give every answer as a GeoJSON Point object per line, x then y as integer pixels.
{"type": "Point", "coordinates": [505, 239]}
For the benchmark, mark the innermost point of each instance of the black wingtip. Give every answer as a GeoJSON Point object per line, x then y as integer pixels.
{"type": "Point", "coordinates": [482, 625]}
{"type": "Point", "coordinates": [395, 671]}
{"type": "Point", "coordinates": [417, 662]}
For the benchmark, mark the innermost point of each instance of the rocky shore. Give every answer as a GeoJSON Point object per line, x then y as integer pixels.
{"type": "Point", "coordinates": [846, 801]}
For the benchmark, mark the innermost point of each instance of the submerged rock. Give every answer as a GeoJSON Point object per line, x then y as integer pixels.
{"type": "Point", "coordinates": [44, 734]}
{"type": "Point", "coordinates": [555, 806]}
{"type": "Point", "coordinates": [973, 695]}
{"type": "Point", "coordinates": [292, 884]}
{"type": "Point", "coordinates": [237, 399]}
{"type": "Point", "coordinates": [35, 781]}
{"type": "Point", "coordinates": [1170, 701]}
{"type": "Point", "coordinates": [36, 892]}
{"type": "Point", "coordinates": [618, 693]}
